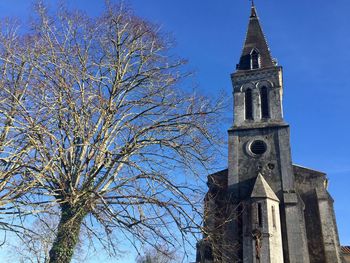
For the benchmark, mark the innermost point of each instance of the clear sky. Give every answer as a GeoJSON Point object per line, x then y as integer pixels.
{"type": "Point", "coordinates": [310, 39]}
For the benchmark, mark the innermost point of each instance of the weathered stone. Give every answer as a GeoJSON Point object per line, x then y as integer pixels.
{"type": "Point", "coordinates": [263, 208]}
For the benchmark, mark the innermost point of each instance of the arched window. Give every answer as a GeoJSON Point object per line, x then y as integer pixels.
{"type": "Point", "coordinates": [254, 59]}
{"type": "Point", "coordinates": [264, 103]}
{"type": "Point", "coordinates": [248, 105]}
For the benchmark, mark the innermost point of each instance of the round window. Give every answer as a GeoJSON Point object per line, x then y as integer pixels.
{"type": "Point", "coordinates": [258, 147]}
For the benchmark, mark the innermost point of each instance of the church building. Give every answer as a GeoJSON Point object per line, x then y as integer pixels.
{"type": "Point", "coordinates": [264, 208]}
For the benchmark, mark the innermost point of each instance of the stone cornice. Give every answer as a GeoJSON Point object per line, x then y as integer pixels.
{"type": "Point", "coordinates": [242, 77]}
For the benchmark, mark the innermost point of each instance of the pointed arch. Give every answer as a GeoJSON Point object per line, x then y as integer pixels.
{"type": "Point", "coordinates": [254, 59]}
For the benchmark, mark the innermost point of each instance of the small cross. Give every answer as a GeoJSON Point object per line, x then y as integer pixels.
{"type": "Point", "coordinates": [252, 2]}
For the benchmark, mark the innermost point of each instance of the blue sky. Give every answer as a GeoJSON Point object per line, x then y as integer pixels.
{"type": "Point", "coordinates": [310, 39]}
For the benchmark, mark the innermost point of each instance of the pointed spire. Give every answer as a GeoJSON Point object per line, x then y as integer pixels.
{"type": "Point", "coordinates": [253, 11]}
{"type": "Point", "coordinates": [255, 41]}
{"type": "Point", "coordinates": [262, 189]}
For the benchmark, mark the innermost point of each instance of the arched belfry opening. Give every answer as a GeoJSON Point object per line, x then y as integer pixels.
{"type": "Point", "coordinates": [264, 96]}
{"type": "Point", "coordinates": [248, 105]}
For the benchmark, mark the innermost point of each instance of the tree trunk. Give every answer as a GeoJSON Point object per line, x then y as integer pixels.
{"type": "Point", "coordinates": [67, 235]}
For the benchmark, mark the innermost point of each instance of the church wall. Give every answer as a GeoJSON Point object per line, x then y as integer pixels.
{"type": "Point", "coordinates": [319, 215]}
{"type": "Point", "coordinates": [248, 242]}
{"type": "Point", "coordinates": [249, 166]}
{"type": "Point", "coordinates": [330, 235]}
{"type": "Point", "coordinates": [215, 211]}
{"type": "Point", "coordinates": [233, 162]}
{"type": "Point", "coordinates": [274, 230]}
{"type": "Point", "coordinates": [295, 241]}
{"type": "Point", "coordinates": [313, 229]}
{"type": "Point", "coordinates": [306, 182]}
{"type": "Point", "coordinates": [232, 238]}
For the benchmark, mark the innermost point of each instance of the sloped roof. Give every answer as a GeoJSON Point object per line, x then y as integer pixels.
{"type": "Point", "coordinates": [297, 166]}
{"type": "Point", "coordinates": [345, 249]}
{"type": "Point", "coordinates": [262, 189]}
{"type": "Point", "coordinates": [218, 179]}
{"type": "Point", "coordinates": [255, 39]}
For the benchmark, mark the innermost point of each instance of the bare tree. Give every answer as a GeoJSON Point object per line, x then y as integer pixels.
{"type": "Point", "coordinates": [114, 137]}
{"type": "Point", "coordinates": [221, 211]}
{"type": "Point", "coordinates": [15, 74]}
{"type": "Point", "coordinates": [157, 256]}
{"type": "Point", "coordinates": [34, 246]}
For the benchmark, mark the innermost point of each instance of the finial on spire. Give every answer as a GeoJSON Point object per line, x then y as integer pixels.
{"type": "Point", "coordinates": [253, 12]}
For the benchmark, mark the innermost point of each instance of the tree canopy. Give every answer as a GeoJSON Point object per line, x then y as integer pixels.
{"type": "Point", "coordinates": [94, 121]}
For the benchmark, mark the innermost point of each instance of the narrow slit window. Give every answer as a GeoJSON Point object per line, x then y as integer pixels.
{"type": "Point", "coordinates": [248, 104]}
{"type": "Point", "coordinates": [264, 103]}
{"type": "Point", "coordinates": [254, 59]}
{"type": "Point", "coordinates": [273, 217]}
{"type": "Point", "coordinates": [260, 223]}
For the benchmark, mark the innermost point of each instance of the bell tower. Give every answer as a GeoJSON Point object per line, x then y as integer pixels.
{"type": "Point", "coordinates": [263, 208]}
{"type": "Point", "coordinates": [259, 149]}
